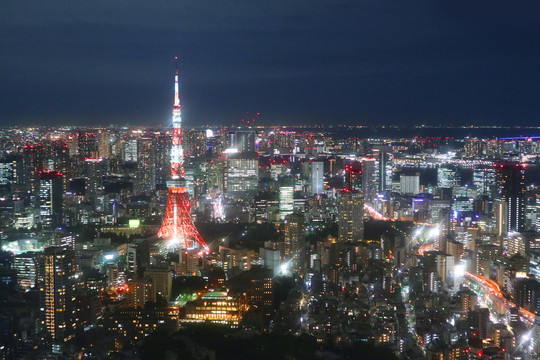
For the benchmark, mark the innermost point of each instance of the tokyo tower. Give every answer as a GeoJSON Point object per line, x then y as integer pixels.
{"type": "Point", "coordinates": [177, 226]}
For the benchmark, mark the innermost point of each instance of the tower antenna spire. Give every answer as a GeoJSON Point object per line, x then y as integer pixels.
{"type": "Point", "coordinates": [178, 227]}
{"type": "Point", "coordinates": [176, 91]}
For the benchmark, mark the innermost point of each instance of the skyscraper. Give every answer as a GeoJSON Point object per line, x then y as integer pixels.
{"type": "Point", "coordinates": [294, 234]}
{"type": "Point", "coordinates": [350, 216]}
{"type": "Point", "coordinates": [472, 148]}
{"type": "Point", "coordinates": [385, 171]}
{"type": "Point", "coordinates": [317, 177]}
{"type": "Point", "coordinates": [447, 177]}
{"type": "Point", "coordinates": [286, 200]}
{"type": "Point", "coordinates": [146, 166]}
{"type": "Point", "coordinates": [369, 180]}
{"type": "Point", "coordinates": [242, 175]}
{"type": "Point", "coordinates": [95, 168]}
{"type": "Point", "coordinates": [242, 140]}
{"type": "Point", "coordinates": [87, 145]}
{"type": "Point", "coordinates": [25, 266]}
{"type": "Point", "coordinates": [409, 184]}
{"type": "Point", "coordinates": [295, 241]}
{"type": "Point", "coordinates": [33, 156]}
{"type": "Point", "coordinates": [50, 198]}
{"type": "Point", "coordinates": [104, 143]}
{"type": "Point", "coordinates": [130, 150]}
{"type": "Point", "coordinates": [511, 189]}
{"type": "Point", "coordinates": [484, 180]}
{"type": "Point", "coordinates": [57, 292]}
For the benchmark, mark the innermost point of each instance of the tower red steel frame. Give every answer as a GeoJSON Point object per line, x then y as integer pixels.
{"type": "Point", "coordinates": [177, 224]}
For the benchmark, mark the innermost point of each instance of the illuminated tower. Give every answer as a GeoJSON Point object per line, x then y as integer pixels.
{"type": "Point", "coordinates": [177, 226]}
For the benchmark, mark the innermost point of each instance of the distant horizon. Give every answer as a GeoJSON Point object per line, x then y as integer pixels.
{"type": "Point", "coordinates": [298, 125]}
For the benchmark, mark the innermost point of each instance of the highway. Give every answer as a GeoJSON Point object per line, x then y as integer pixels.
{"type": "Point", "coordinates": [490, 294]}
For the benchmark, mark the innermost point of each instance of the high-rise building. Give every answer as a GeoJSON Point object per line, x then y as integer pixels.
{"type": "Point", "coordinates": [409, 184]}
{"type": "Point", "coordinates": [130, 150]}
{"type": "Point", "coordinates": [8, 175]}
{"type": "Point", "coordinates": [484, 180]}
{"type": "Point", "coordinates": [259, 291]}
{"type": "Point", "coordinates": [162, 151]}
{"type": "Point", "coordinates": [317, 177]}
{"type": "Point", "coordinates": [369, 180]}
{"type": "Point", "coordinates": [146, 166]}
{"type": "Point", "coordinates": [511, 189]}
{"type": "Point", "coordinates": [493, 148]}
{"type": "Point", "coordinates": [472, 148]}
{"type": "Point", "coordinates": [447, 177]}
{"type": "Point", "coordinates": [385, 171]}
{"type": "Point", "coordinates": [271, 259]}
{"type": "Point", "coordinates": [104, 143]}
{"type": "Point", "coordinates": [350, 216]}
{"type": "Point", "coordinates": [162, 282]}
{"type": "Point", "coordinates": [516, 244]}
{"type": "Point", "coordinates": [527, 294]}
{"type": "Point", "coordinates": [141, 291]}
{"type": "Point", "coordinates": [480, 321]}
{"type": "Point", "coordinates": [286, 201]}
{"type": "Point", "coordinates": [354, 179]}
{"type": "Point", "coordinates": [95, 169]}
{"type": "Point", "coordinates": [242, 140]}
{"type": "Point", "coordinates": [295, 234]}
{"type": "Point", "coordinates": [500, 213]}
{"type": "Point", "coordinates": [33, 158]}
{"type": "Point", "coordinates": [87, 145]}
{"type": "Point", "coordinates": [131, 258]}
{"type": "Point", "coordinates": [56, 277]}
{"type": "Point", "coordinates": [50, 198]}
{"type": "Point", "coordinates": [60, 156]}
{"type": "Point", "coordinates": [25, 266]}
{"type": "Point", "coordinates": [242, 175]}
{"type": "Point", "coordinates": [469, 300]}
{"type": "Point", "coordinates": [195, 141]}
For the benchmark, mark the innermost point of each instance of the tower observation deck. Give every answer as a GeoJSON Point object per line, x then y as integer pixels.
{"type": "Point", "coordinates": [178, 227]}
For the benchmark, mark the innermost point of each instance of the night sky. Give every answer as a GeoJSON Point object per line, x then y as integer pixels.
{"type": "Point", "coordinates": [295, 62]}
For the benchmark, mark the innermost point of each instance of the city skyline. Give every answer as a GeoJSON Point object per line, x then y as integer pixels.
{"type": "Point", "coordinates": [307, 228]}
{"type": "Point", "coordinates": [294, 63]}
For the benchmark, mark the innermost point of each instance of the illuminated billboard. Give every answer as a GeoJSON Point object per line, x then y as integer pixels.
{"type": "Point", "coordinates": [134, 223]}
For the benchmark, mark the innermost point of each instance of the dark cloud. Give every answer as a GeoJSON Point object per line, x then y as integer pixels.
{"type": "Point", "coordinates": [294, 61]}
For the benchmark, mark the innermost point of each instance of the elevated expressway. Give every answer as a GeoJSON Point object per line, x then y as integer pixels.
{"type": "Point", "coordinates": [490, 294]}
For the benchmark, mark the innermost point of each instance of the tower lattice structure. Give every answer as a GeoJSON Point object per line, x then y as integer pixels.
{"type": "Point", "coordinates": [177, 226]}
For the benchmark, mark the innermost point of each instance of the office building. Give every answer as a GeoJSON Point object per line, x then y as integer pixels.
{"type": "Point", "coordinates": [511, 189]}
{"type": "Point", "coordinates": [145, 181]}
{"type": "Point", "coordinates": [409, 184]}
{"type": "Point", "coordinates": [447, 177]}
{"type": "Point", "coordinates": [484, 180]}
{"type": "Point", "coordinates": [50, 199]}
{"type": "Point", "coordinates": [294, 234]}
{"type": "Point", "coordinates": [350, 216]}
{"type": "Point", "coordinates": [242, 175]}
{"type": "Point", "coordinates": [25, 266]}
{"type": "Point", "coordinates": [317, 177]}
{"type": "Point", "coordinates": [162, 282]}
{"type": "Point", "coordinates": [56, 278]}
{"type": "Point", "coordinates": [131, 150]}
